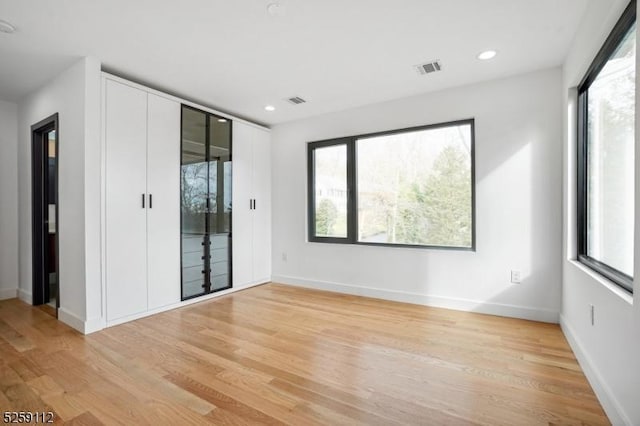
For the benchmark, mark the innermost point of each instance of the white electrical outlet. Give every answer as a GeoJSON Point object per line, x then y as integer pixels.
{"type": "Point", "coordinates": [516, 277]}
{"type": "Point", "coordinates": [284, 256]}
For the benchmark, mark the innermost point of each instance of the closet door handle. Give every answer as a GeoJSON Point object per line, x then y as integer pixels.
{"type": "Point", "coordinates": [250, 204]}
{"type": "Point", "coordinates": [254, 203]}
{"type": "Point", "coordinates": [143, 201]}
{"type": "Point", "coordinates": [150, 201]}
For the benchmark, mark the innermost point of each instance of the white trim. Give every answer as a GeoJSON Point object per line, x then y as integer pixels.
{"type": "Point", "coordinates": [93, 325]}
{"type": "Point", "coordinates": [71, 320]}
{"type": "Point", "coordinates": [103, 201]}
{"type": "Point", "coordinates": [106, 75]}
{"type": "Point", "coordinates": [611, 406]}
{"type": "Point", "coordinates": [513, 311]}
{"type": "Point", "coordinates": [97, 324]}
{"type": "Point", "coordinates": [25, 296]}
{"type": "Point", "coordinates": [603, 281]}
{"type": "Point", "coordinates": [176, 305]}
{"type": "Point", "coordinates": [8, 293]}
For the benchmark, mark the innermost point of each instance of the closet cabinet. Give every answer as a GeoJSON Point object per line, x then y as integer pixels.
{"type": "Point", "coordinates": [251, 205]}
{"type": "Point", "coordinates": [141, 198]}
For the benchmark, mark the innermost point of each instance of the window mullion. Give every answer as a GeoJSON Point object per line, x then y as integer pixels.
{"type": "Point", "coordinates": [352, 191]}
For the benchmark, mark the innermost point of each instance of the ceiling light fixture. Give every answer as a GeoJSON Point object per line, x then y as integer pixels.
{"type": "Point", "coordinates": [222, 120]}
{"type": "Point", "coordinates": [270, 108]}
{"type": "Point", "coordinates": [486, 55]}
{"type": "Point", "coordinates": [275, 9]}
{"type": "Point", "coordinates": [6, 27]}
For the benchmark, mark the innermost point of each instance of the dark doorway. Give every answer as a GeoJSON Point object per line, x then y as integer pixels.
{"type": "Point", "coordinates": [44, 186]}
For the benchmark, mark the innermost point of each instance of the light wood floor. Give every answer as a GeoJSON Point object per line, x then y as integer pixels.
{"type": "Point", "coordinates": [276, 354]}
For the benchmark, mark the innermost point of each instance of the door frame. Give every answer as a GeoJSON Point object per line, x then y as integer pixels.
{"type": "Point", "coordinates": [40, 210]}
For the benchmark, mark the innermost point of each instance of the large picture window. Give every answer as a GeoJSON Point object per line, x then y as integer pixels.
{"type": "Point", "coordinates": [606, 139]}
{"type": "Point", "coordinates": [410, 187]}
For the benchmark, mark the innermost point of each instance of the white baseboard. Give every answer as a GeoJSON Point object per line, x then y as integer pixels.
{"type": "Point", "coordinates": [611, 406]}
{"type": "Point", "coordinates": [72, 320]}
{"type": "Point", "coordinates": [75, 322]}
{"type": "Point", "coordinates": [105, 324]}
{"type": "Point", "coordinates": [25, 296]}
{"type": "Point", "coordinates": [96, 324]}
{"type": "Point", "coordinates": [513, 311]}
{"type": "Point", "coordinates": [92, 325]}
{"type": "Point", "coordinates": [8, 293]}
{"type": "Point", "coordinates": [64, 315]}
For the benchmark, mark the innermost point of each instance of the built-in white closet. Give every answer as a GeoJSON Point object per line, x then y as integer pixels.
{"type": "Point", "coordinates": [252, 205]}
{"type": "Point", "coordinates": [141, 201]}
{"type": "Point", "coordinates": [142, 216]}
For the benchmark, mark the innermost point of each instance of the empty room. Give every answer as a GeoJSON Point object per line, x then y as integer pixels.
{"type": "Point", "coordinates": [327, 212]}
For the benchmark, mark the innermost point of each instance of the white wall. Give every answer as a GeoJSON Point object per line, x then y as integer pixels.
{"type": "Point", "coordinates": [518, 208]}
{"type": "Point", "coordinates": [608, 351]}
{"type": "Point", "coordinates": [74, 94]}
{"type": "Point", "coordinates": [8, 200]}
{"type": "Point", "coordinates": [92, 195]}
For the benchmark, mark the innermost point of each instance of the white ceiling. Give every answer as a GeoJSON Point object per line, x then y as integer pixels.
{"type": "Point", "coordinates": [234, 56]}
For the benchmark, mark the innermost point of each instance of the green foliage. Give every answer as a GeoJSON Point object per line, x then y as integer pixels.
{"type": "Point", "coordinates": [437, 211]}
{"type": "Point", "coordinates": [326, 215]}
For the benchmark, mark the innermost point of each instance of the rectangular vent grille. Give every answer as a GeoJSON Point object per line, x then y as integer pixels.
{"type": "Point", "coordinates": [429, 67]}
{"type": "Point", "coordinates": [296, 100]}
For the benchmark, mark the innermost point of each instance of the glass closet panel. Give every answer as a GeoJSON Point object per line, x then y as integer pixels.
{"type": "Point", "coordinates": [205, 192]}
{"type": "Point", "coordinates": [220, 209]}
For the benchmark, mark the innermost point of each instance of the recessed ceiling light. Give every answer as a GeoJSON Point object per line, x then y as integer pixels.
{"type": "Point", "coordinates": [275, 9]}
{"type": "Point", "coordinates": [222, 120]}
{"type": "Point", "coordinates": [6, 27]}
{"type": "Point", "coordinates": [270, 108]}
{"type": "Point", "coordinates": [487, 54]}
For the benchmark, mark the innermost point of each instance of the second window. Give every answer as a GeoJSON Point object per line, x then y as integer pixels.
{"type": "Point", "coordinates": [409, 187]}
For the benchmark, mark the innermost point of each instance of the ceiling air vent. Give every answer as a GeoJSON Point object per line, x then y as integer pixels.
{"type": "Point", "coordinates": [429, 67]}
{"type": "Point", "coordinates": [296, 100]}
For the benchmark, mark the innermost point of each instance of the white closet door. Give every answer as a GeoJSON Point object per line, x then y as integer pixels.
{"type": "Point", "coordinates": [262, 211]}
{"type": "Point", "coordinates": [242, 263]}
{"type": "Point", "coordinates": [126, 242]}
{"type": "Point", "coordinates": [163, 214]}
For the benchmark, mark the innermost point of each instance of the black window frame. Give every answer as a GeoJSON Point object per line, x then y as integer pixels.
{"type": "Point", "coordinates": [620, 30]}
{"type": "Point", "coordinates": [352, 189]}
{"type": "Point", "coordinates": [352, 218]}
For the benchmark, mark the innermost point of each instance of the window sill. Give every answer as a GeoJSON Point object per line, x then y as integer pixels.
{"type": "Point", "coordinates": [605, 282]}
{"type": "Point", "coordinates": [345, 242]}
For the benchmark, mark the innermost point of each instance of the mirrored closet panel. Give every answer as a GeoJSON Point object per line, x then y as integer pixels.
{"type": "Point", "coordinates": [205, 201]}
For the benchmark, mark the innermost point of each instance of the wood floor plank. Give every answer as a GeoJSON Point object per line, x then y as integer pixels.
{"type": "Point", "coordinates": [221, 400]}
{"type": "Point", "coordinates": [45, 386]}
{"type": "Point", "coordinates": [351, 411]}
{"type": "Point", "coordinates": [27, 369]}
{"type": "Point", "coordinates": [276, 354]}
{"type": "Point", "coordinates": [65, 405]}
{"type": "Point", "coordinates": [155, 386]}
{"type": "Point", "coordinates": [84, 419]}
{"type": "Point", "coordinates": [14, 338]}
